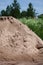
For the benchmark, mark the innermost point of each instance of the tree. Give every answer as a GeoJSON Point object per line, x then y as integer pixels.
{"type": "Point", "coordinates": [31, 11]}
{"type": "Point", "coordinates": [3, 13]}
{"type": "Point", "coordinates": [16, 9]}
{"type": "Point", "coordinates": [23, 14]}
{"type": "Point", "coordinates": [12, 10]}
{"type": "Point", "coordinates": [8, 10]}
{"type": "Point", "coordinates": [40, 16]}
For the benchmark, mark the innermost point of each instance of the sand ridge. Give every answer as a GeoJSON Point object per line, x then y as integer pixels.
{"type": "Point", "coordinates": [18, 42]}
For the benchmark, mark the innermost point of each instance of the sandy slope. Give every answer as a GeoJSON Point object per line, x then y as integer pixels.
{"type": "Point", "coordinates": [18, 42]}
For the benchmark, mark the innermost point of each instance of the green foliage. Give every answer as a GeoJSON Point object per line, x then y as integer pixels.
{"type": "Point", "coordinates": [8, 10]}
{"type": "Point", "coordinates": [23, 14]}
{"type": "Point", "coordinates": [3, 13]}
{"type": "Point", "coordinates": [12, 10]}
{"type": "Point", "coordinates": [40, 16]}
{"type": "Point", "coordinates": [16, 5]}
{"type": "Point", "coordinates": [16, 9]}
{"type": "Point", "coordinates": [34, 24]}
{"type": "Point", "coordinates": [31, 11]}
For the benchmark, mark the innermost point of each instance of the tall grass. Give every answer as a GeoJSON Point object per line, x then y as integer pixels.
{"type": "Point", "coordinates": [34, 24]}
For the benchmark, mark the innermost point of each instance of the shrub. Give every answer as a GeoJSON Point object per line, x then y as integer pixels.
{"type": "Point", "coordinates": [34, 24]}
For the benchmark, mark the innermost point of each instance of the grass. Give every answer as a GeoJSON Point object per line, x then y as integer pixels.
{"type": "Point", "coordinates": [34, 24]}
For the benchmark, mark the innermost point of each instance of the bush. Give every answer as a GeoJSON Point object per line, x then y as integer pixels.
{"type": "Point", "coordinates": [35, 24]}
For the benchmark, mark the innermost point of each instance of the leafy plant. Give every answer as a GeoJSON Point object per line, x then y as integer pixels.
{"type": "Point", "coordinates": [34, 24]}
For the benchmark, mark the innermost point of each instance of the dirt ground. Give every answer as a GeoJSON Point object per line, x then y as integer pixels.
{"type": "Point", "coordinates": [18, 44]}
{"type": "Point", "coordinates": [19, 63]}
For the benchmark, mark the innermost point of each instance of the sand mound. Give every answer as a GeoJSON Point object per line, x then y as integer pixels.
{"type": "Point", "coordinates": [18, 42]}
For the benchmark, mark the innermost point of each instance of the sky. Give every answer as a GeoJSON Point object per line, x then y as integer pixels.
{"type": "Point", "coordinates": [37, 4]}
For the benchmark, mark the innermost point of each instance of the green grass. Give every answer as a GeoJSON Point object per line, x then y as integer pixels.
{"type": "Point", "coordinates": [34, 24]}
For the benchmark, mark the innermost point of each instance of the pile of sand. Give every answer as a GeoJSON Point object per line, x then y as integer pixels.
{"type": "Point", "coordinates": [18, 42]}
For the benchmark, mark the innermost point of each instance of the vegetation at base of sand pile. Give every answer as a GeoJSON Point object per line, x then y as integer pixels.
{"type": "Point", "coordinates": [34, 24]}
